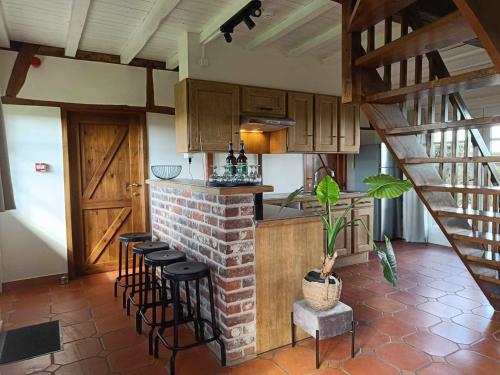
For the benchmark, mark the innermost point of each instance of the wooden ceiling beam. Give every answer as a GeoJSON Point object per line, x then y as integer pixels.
{"type": "Point", "coordinates": [160, 10]}
{"type": "Point", "coordinates": [79, 11]}
{"type": "Point", "coordinates": [292, 22]}
{"type": "Point", "coordinates": [483, 18]}
{"type": "Point", "coordinates": [20, 69]}
{"type": "Point", "coordinates": [4, 34]}
{"type": "Point", "coordinates": [212, 30]}
{"type": "Point", "coordinates": [89, 56]}
{"type": "Point", "coordinates": [316, 41]}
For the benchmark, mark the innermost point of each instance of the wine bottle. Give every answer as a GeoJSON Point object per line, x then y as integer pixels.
{"type": "Point", "coordinates": [231, 159]}
{"type": "Point", "coordinates": [242, 159]}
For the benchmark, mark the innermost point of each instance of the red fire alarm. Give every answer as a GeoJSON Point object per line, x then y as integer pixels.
{"type": "Point", "coordinates": [41, 167]}
{"type": "Point", "coordinates": [36, 62]}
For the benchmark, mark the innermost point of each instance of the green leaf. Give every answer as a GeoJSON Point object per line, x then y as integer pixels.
{"type": "Point", "coordinates": [388, 261]}
{"type": "Point", "coordinates": [328, 191]}
{"type": "Point", "coordinates": [386, 187]}
{"type": "Point", "coordinates": [291, 197]}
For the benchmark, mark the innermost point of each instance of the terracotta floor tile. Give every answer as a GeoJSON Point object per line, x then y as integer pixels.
{"type": "Point", "coordinates": [463, 281]}
{"type": "Point", "coordinates": [439, 309]}
{"type": "Point", "coordinates": [29, 366]}
{"type": "Point", "coordinates": [459, 302]}
{"type": "Point", "coordinates": [385, 304]}
{"type": "Point", "coordinates": [475, 294]}
{"type": "Point", "coordinates": [426, 291]}
{"type": "Point", "coordinates": [368, 364]}
{"type": "Point", "coordinates": [439, 369]}
{"type": "Point", "coordinates": [408, 298]}
{"type": "Point", "coordinates": [488, 347]}
{"type": "Point", "coordinates": [297, 361]}
{"type": "Point", "coordinates": [393, 327]}
{"type": "Point", "coordinates": [431, 344]}
{"type": "Point", "coordinates": [66, 306]}
{"type": "Point", "coordinates": [477, 323]}
{"type": "Point", "coordinates": [470, 362]}
{"type": "Point", "coordinates": [122, 338]}
{"type": "Point", "coordinates": [78, 350]}
{"type": "Point", "coordinates": [367, 336]}
{"type": "Point", "coordinates": [445, 286]}
{"type": "Point", "coordinates": [258, 366]}
{"type": "Point", "coordinates": [456, 333]}
{"type": "Point", "coordinates": [91, 366]}
{"type": "Point", "coordinates": [417, 317]}
{"type": "Point", "coordinates": [28, 315]}
{"type": "Point", "coordinates": [403, 356]}
{"type": "Point", "coordinates": [186, 366]}
{"type": "Point", "coordinates": [78, 331]}
{"type": "Point", "coordinates": [113, 323]}
{"type": "Point", "coordinates": [487, 312]}
{"type": "Point", "coordinates": [333, 349]}
{"type": "Point", "coordinates": [365, 313]}
{"type": "Point", "coordinates": [73, 317]}
{"type": "Point", "coordinates": [130, 358]}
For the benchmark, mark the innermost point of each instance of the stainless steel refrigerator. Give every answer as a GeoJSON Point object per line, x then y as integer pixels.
{"type": "Point", "coordinates": [372, 160]}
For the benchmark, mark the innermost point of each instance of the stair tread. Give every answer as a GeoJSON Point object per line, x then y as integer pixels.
{"type": "Point", "coordinates": [440, 126]}
{"type": "Point", "coordinates": [446, 31]}
{"type": "Point", "coordinates": [469, 213]}
{"type": "Point", "coordinates": [471, 159]}
{"type": "Point", "coordinates": [477, 235]}
{"type": "Point", "coordinates": [465, 81]}
{"type": "Point", "coordinates": [461, 188]}
{"type": "Point", "coordinates": [369, 13]}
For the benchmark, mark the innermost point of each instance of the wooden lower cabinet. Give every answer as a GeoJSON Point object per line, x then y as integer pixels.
{"type": "Point", "coordinates": [360, 238]}
{"type": "Point", "coordinates": [285, 250]}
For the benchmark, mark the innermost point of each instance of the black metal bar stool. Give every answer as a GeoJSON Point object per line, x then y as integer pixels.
{"type": "Point", "coordinates": [176, 274]}
{"type": "Point", "coordinates": [140, 250]}
{"type": "Point", "coordinates": [153, 261]}
{"type": "Point", "coordinates": [127, 238]}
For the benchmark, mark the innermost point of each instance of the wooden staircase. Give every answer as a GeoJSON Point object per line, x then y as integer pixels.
{"type": "Point", "coordinates": [424, 120]}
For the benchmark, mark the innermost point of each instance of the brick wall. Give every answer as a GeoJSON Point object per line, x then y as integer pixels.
{"type": "Point", "coordinates": [218, 231]}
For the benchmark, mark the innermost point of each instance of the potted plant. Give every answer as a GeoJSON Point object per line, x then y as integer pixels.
{"type": "Point", "coordinates": [322, 287]}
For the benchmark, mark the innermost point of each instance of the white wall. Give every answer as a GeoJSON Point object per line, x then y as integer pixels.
{"type": "Point", "coordinates": [33, 237]}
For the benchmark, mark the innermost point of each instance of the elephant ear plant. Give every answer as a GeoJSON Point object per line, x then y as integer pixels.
{"type": "Point", "coordinates": [382, 186]}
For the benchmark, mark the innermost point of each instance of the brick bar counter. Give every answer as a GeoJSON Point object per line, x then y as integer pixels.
{"type": "Point", "coordinates": [256, 262]}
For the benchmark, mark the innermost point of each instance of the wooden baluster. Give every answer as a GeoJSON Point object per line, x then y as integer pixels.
{"type": "Point", "coordinates": [370, 39]}
{"type": "Point", "coordinates": [454, 144]}
{"type": "Point", "coordinates": [417, 106]}
{"type": "Point", "coordinates": [444, 118]}
{"type": "Point", "coordinates": [495, 226]}
{"type": "Point", "coordinates": [403, 65]}
{"type": "Point", "coordinates": [485, 197]}
{"type": "Point", "coordinates": [465, 170]}
{"type": "Point", "coordinates": [431, 114]}
{"type": "Point", "coordinates": [387, 40]}
{"type": "Point", "coordinates": [475, 203]}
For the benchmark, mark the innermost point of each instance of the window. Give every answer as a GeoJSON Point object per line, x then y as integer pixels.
{"type": "Point", "coordinates": [495, 140]}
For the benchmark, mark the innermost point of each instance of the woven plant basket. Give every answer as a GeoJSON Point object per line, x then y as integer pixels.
{"type": "Point", "coordinates": [322, 296]}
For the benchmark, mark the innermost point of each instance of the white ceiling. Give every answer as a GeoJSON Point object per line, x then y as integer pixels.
{"type": "Point", "coordinates": [110, 24]}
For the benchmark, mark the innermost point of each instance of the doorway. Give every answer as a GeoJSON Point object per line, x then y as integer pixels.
{"type": "Point", "coordinates": [105, 167]}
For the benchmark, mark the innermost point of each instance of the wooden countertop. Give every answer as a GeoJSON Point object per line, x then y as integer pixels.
{"type": "Point", "coordinates": [201, 186]}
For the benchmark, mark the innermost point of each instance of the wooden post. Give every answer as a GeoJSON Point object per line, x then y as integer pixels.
{"type": "Point", "coordinates": [20, 69]}
{"type": "Point", "coordinates": [351, 44]}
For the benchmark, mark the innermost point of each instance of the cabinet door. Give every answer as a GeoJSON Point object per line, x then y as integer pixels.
{"type": "Point", "coordinates": [361, 239]}
{"type": "Point", "coordinates": [326, 123]}
{"type": "Point", "coordinates": [263, 102]}
{"type": "Point", "coordinates": [300, 108]}
{"type": "Point", "coordinates": [349, 128]}
{"type": "Point", "coordinates": [214, 115]}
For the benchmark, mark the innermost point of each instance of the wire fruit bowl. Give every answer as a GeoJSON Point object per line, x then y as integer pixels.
{"type": "Point", "coordinates": [166, 172]}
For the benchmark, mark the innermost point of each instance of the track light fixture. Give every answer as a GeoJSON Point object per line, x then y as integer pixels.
{"type": "Point", "coordinates": [252, 9]}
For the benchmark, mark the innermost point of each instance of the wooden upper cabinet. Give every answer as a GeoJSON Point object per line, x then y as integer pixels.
{"type": "Point", "coordinates": [207, 115]}
{"type": "Point", "coordinates": [300, 108]}
{"type": "Point", "coordinates": [326, 110]}
{"type": "Point", "coordinates": [349, 130]}
{"type": "Point", "coordinates": [263, 102]}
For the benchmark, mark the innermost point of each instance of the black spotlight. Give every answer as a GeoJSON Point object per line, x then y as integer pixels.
{"type": "Point", "coordinates": [252, 9]}
{"type": "Point", "coordinates": [249, 22]}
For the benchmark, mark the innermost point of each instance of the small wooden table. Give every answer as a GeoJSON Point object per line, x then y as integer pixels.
{"type": "Point", "coordinates": [323, 324]}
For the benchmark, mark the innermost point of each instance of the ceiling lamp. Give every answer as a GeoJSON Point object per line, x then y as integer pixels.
{"type": "Point", "coordinates": [252, 9]}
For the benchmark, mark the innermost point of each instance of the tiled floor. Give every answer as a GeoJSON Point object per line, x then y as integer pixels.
{"type": "Point", "coordinates": [436, 322]}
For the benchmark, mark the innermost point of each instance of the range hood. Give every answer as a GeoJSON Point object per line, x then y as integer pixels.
{"type": "Point", "coordinates": [265, 124]}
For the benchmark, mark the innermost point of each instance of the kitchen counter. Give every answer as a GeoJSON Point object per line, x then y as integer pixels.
{"type": "Point", "coordinates": [276, 213]}
{"type": "Point", "coordinates": [307, 196]}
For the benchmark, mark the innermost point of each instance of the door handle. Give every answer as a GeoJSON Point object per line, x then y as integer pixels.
{"type": "Point", "coordinates": [136, 194]}
{"type": "Point", "coordinates": [133, 186]}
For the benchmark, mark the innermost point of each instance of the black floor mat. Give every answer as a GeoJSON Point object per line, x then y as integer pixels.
{"type": "Point", "coordinates": [31, 341]}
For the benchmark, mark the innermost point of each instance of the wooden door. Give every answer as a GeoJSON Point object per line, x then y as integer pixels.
{"type": "Point", "coordinates": [106, 161]}
{"type": "Point", "coordinates": [263, 102]}
{"type": "Point", "coordinates": [300, 108]}
{"type": "Point", "coordinates": [214, 115]}
{"type": "Point", "coordinates": [326, 123]}
{"type": "Point", "coordinates": [361, 240]}
{"type": "Point", "coordinates": [349, 128]}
